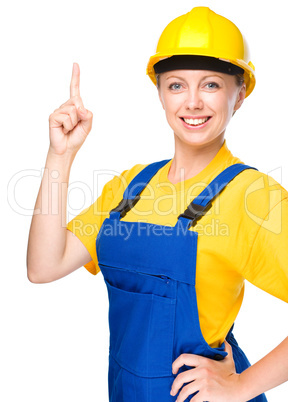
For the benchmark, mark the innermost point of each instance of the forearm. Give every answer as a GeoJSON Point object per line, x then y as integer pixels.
{"type": "Point", "coordinates": [267, 373]}
{"type": "Point", "coordinates": [47, 237]}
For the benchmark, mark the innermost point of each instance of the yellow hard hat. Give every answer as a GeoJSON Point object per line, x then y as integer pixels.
{"type": "Point", "coordinates": [201, 32]}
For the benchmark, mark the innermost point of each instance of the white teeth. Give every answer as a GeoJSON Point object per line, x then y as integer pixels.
{"type": "Point", "coordinates": [195, 122]}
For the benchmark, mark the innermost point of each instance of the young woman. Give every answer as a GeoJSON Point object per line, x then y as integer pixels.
{"type": "Point", "coordinates": [175, 239]}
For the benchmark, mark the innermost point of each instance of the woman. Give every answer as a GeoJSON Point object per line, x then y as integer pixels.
{"type": "Point", "coordinates": [175, 269]}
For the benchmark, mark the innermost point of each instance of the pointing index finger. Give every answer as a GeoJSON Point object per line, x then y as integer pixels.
{"type": "Point", "coordinates": [75, 81]}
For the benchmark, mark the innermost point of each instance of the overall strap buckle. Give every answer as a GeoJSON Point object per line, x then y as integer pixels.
{"type": "Point", "coordinates": [132, 193]}
{"type": "Point", "coordinates": [125, 205]}
{"type": "Point", "coordinates": [195, 211]}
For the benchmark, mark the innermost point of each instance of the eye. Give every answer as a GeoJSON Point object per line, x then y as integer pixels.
{"type": "Point", "coordinates": [212, 85]}
{"type": "Point", "coordinates": [175, 86]}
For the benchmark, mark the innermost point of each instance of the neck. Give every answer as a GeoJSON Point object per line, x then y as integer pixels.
{"type": "Point", "coordinates": [188, 161]}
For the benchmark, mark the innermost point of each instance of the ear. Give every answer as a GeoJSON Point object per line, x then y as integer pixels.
{"type": "Point", "coordinates": [240, 97]}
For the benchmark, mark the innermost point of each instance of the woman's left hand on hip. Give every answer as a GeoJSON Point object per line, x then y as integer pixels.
{"type": "Point", "coordinates": [215, 381]}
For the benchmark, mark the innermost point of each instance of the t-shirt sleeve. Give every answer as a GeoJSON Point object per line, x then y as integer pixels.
{"type": "Point", "coordinates": [267, 263]}
{"type": "Point", "coordinates": [87, 224]}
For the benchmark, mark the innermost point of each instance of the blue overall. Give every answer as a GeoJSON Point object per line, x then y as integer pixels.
{"type": "Point", "coordinates": [150, 274]}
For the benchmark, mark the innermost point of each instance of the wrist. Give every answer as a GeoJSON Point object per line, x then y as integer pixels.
{"type": "Point", "coordinates": [243, 391]}
{"type": "Point", "coordinates": [237, 388]}
{"type": "Point", "coordinates": [65, 159]}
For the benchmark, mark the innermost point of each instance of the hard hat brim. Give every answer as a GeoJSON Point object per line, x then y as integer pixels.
{"type": "Point", "coordinates": [249, 74]}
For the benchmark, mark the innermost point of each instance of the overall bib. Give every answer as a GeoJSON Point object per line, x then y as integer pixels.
{"type": "Point", "coordinates": [150, 274]}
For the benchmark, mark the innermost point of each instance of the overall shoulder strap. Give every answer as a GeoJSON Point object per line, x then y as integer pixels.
{"type": "Point", "coordinates": [200, 205]}
{"type": "Point", "coordinates": [132, 193]}
{"type": "Point", "coordinates": [141, 180]}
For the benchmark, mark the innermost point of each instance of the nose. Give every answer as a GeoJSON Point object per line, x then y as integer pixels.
{"type": "Point", "coordinates": [194, 100]}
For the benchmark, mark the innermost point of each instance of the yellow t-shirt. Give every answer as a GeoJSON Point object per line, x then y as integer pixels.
{"type": "Point", "coordinates": [244, 235]}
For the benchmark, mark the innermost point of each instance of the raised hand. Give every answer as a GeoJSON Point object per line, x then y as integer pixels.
{"type": "Point", "coordinates": [70, 124]}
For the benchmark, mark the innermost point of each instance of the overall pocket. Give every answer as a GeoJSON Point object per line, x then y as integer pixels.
{"type": "Point", "coordinates": [141, 331]}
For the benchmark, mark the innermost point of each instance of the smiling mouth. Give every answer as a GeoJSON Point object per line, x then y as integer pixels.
{"type": "Point", "coordinates": [195, 122]}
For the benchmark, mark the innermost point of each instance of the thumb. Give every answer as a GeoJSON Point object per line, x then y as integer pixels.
{"type": "Point", "coordinates": [228, 349]}
{"type": "Point", "coordinates": [82, 110]}
{"type": "Point", "coordinates": [86, 118]}
{"type": "Point", "coordinates": [229, 358]}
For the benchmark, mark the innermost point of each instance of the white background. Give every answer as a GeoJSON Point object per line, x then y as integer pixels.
{"type": "Point", "coordinates": [54, 337]}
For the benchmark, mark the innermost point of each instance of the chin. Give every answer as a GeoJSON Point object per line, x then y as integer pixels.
{"type": "Point", "coordinates": [197, 140]}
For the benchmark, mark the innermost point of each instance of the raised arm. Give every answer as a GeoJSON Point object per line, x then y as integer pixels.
{"type": "Point", "coordinates": [53, 251]}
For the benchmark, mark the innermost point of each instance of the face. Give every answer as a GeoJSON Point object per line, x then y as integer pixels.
{"type": "Point", "coordinates": [199, 104]}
